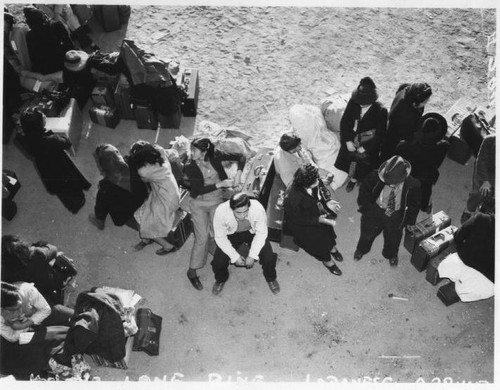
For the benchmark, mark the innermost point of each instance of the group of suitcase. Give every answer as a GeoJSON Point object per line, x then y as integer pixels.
{"type": "Point", "coordinates": [430, 241]}
{"type": "Point", "coordinates": [112, 100]}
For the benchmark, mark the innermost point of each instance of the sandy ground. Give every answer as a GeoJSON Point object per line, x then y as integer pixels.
{"type": "Point", "coordinates": [254, 64]}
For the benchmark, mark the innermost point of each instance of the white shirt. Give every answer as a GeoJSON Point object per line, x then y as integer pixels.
{"type": "Point", "coordinates": [225, 224]}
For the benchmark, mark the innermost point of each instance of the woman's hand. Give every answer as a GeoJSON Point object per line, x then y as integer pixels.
{"type": "Point", "coordinates": [333, 205]}
{"type": "Point", "coordinates": [21, 324]}
{"type": "Point", "coordinates": [350, 146]}
{"type": "Point", "coordinates": [326, 221]}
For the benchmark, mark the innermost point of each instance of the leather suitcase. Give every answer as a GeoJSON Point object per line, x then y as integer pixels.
{"type": "Point", "coordinates": [69, 123]}
{"type": "Point", "coordinates": [170, 122]}
{"type": "Point", "coordinates": [147, 338]}
{"type": "Point", "coordinates": [145, 116]}
{"type": "Point", "coordinates": [459, 151]}
{"type": "Point", "coordinates": [425, 228]}
{"type": "Point", "coordinates": [260, 176]}
{"type": "Point", "coordinates": [102, 96]}
{"type": "Point", "coordinates": [190, 79]}
{"type": "Point", "coordinates": [182, 228]}
{"type": "Point", "coordinates": [431, 247]}
{"type": "Point", "coordinates": [275, 209]}
{"type": "Point", "coordinates": [432, 274]}
{"type": "Point", "coordinates": [105, 116]}
{"type": "Point", "coordinates": [122, 99]}
{"type": "Point", "coordinates": [448, 294]}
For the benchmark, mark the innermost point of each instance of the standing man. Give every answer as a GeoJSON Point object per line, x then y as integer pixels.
{"type": "Point", "coordinates": [388, 200]}
{"type": "Point", "coordinates": [236, 221]}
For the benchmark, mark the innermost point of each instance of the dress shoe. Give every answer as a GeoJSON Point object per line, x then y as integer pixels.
{"type": "Point", "coordinates": [217, 288]}
{"type": "Point", "coordinates": [333, 269]}
{"type": "Point", "coordinates": [337, 256]}
{"type": "Point", "coordinates": [274, 286]}
{"type": "Point", "coordinates": [358, 255]}
{"type": "Point", "coordinates": [350, 186]}
{"type": "Point", "coordinates": [393, 261]}
{"type": "Point", "coordinates": [196, 283]}
{"type": "Point", "coordinates": [163, 251]}
{"type": "Point", "coordinates": [141, 245]}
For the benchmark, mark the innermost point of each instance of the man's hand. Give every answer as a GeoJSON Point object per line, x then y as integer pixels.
{"type": "Point", "coordinates": [21, 324]}
{"type": "Point", "coordinates": [225, 183]}
{"type": "Point", "coordinates": [333, 205]}
{"type": "Point", "coordinates": [485, 188]}
{"type": "Point", "coordinates": [249, 262]}
{"type": "Point", "coordinates": [326, 221]}
{"type": "Point", "coordinates": [240, 262]}
{"type": "Point", "coordinates": [350, 146]}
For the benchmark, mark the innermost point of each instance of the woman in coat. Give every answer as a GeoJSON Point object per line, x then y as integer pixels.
{"type": "Point", "coordinates": [207, 178]}
{"type": "Point", "coordinates": [406, 110]}
{"type": "Point", "coordinates": [121, 191]}
{"type": "Point", "coordinates": [311, 225]}
{"type": "Point", "coordinates": [362, 130]}
{"type": "Point", "coordinates": [426, 153]}
{"type": "Point", "coordinates": [59, 174]}
{"type": "Point", "coordinates": [156, 215]}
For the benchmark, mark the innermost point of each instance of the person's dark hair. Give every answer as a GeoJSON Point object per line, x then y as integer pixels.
{"type": "Point", "coordinates": [32, 121]}
{"type": "Point", "coordinates": [239, 200]}
{"type": "Point", "coordinates": [419, 92]}
{"type": "Point", "coordinates": [146, 153]}
{"type": "Point", "coordinates": [289, 141]}
{"type": "Point", "coordinates": [10, 295]}
{"type": "Point", "coordinates": [305, 176]}
{"type": "Point", "coordinates": [14, 249]}
{"type": "Point", "coordinates": [35, 18]}
{"type": "Point", "coordinates": [205, 145]}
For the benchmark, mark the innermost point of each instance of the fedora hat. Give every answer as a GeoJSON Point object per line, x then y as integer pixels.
{"type": "Point", "coordinates": [75, 60]}
{"type": "Point", "coordinates": [431, 128]}
{"type": "Point", "coordinates": [365, 93]}
{"type": "Point", "coordinates": [394, 171]}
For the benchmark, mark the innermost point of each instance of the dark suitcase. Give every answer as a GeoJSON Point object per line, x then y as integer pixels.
{"type": "Point", "coordinates": [65, 266]}
{"type": "Point", "coordinates": [108, 17]}
{"type": "Point", "coordinates": [432, 274]}
{"type": "Point", "coordinates": [11, 186]}
{"type": "Point", "coordinates": [105, 116]}
{"type": "Point", "coordinates": [459, 151]}
{"type": "Point", "coordinates": [172, 121]}
{"type": "Point", "coordinates": [431, 247]}
{"type": "Point", "coordinates": [275, 209]}
{"type": "Point", "coordinates": [145, 116]}
{"type": "Point", "coordinates": [191, 81]}
{"type": "Point", "coordinates": [147, 338]}
{"type": "Point", "coordinates": [122, 99]}
{"type": "Point", "coordinates": [102, 96]}
{"type": "Point", "coordinates": [448, 294]}
{"type": "Point", "coordinates": [183, 225]}
{"type": "Point", "coordinates": [260, 177]}
{"type": "Point", "coordinates": [473, 130]}
{"type": "Point", "coordinates": [425, 228]}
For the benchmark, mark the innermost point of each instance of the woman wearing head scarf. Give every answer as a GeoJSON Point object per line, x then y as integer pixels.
{"type": "Point", "coordinates": [362, 130]}
{"type": "Point", "coordinates": [121, 191]}
{"type": "Point", "coordinates": [207, 179]}
{"type": "Point", "coordinates": [156, 215]}
{"type": "Point", "coordinates": [309, 221]}
{"type": "Point", "coordinates": [406, 110]}
{"type": "Point", "coordinates": [426, 153]}
{"type": "Point", "coordinates": [59, 174]}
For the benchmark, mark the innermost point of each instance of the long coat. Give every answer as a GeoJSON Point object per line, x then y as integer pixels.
{"type": "Point", "coordinates": [156, 215]}
{"type": "Point", "coordinates": [57, 170]}
{"type": "Point", "coordinates": [403, 120]}
{"type": "Point", "coordinates": [301, 218]}
{"type": "Point", "coordinates": [374, 118]}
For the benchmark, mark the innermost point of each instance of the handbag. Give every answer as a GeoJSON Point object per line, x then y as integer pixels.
{"type": "Point", "coordinates": [64, 265]}
{"type": "Point", "coordinates": [147, 338]}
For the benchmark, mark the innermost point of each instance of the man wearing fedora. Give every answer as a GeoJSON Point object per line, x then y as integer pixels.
{"type": "Point", "coordinates": [425, 153]}
{"type": "Point", "coordinates": [389, 200]}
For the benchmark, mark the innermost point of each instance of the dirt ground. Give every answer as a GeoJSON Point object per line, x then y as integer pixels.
{"type": "Point", "coordinates": [255, 63]}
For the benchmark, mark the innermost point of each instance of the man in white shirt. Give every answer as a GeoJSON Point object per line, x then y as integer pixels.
{"type": "Point", "coordinates": [237, 221]}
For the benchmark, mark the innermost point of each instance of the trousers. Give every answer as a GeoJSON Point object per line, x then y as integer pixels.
{"type": "Point", "coordinates": [220, 262]}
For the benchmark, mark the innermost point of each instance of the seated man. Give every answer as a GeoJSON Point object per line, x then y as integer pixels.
{"type": "Point", "coordinates": [236, 221]}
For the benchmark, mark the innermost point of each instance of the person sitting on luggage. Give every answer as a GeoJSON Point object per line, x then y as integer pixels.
{"type": "Point", "coordinates": [406, 110]}
{"type": "Point", "coordinates": [31, 331]}
{"type": "Point", "coordinates": [483, 179]}
{"type": "Point", "coordinates": [77, 75]}
{"type": "Point", "coordinates": [121, 191]}
{"type": "Point", "coordinates": [33, 263]}
{"type": "Point", "coordinates": [362, 130]}
{"type": "Point", "coordinates": [388, 200]}
{"type": "Point", "coordinates": [310, 215]}
{"type": "Point", "coordinates": [156, 215]}
{"type": "Point", "coordinates": [207, 179]}
{"type": "Point", "coordinates": [426, 153]}
{"type": "Point", "coordinates": [242, 220]}
{"type": "Point", "coordinates": [475, 240]}
{"type": "Point", "coordinates": [290, 156]}
{"type": "Point", "coordinates": [47, 42]}
{"type": "Point", "coordinates": [57, 170]}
